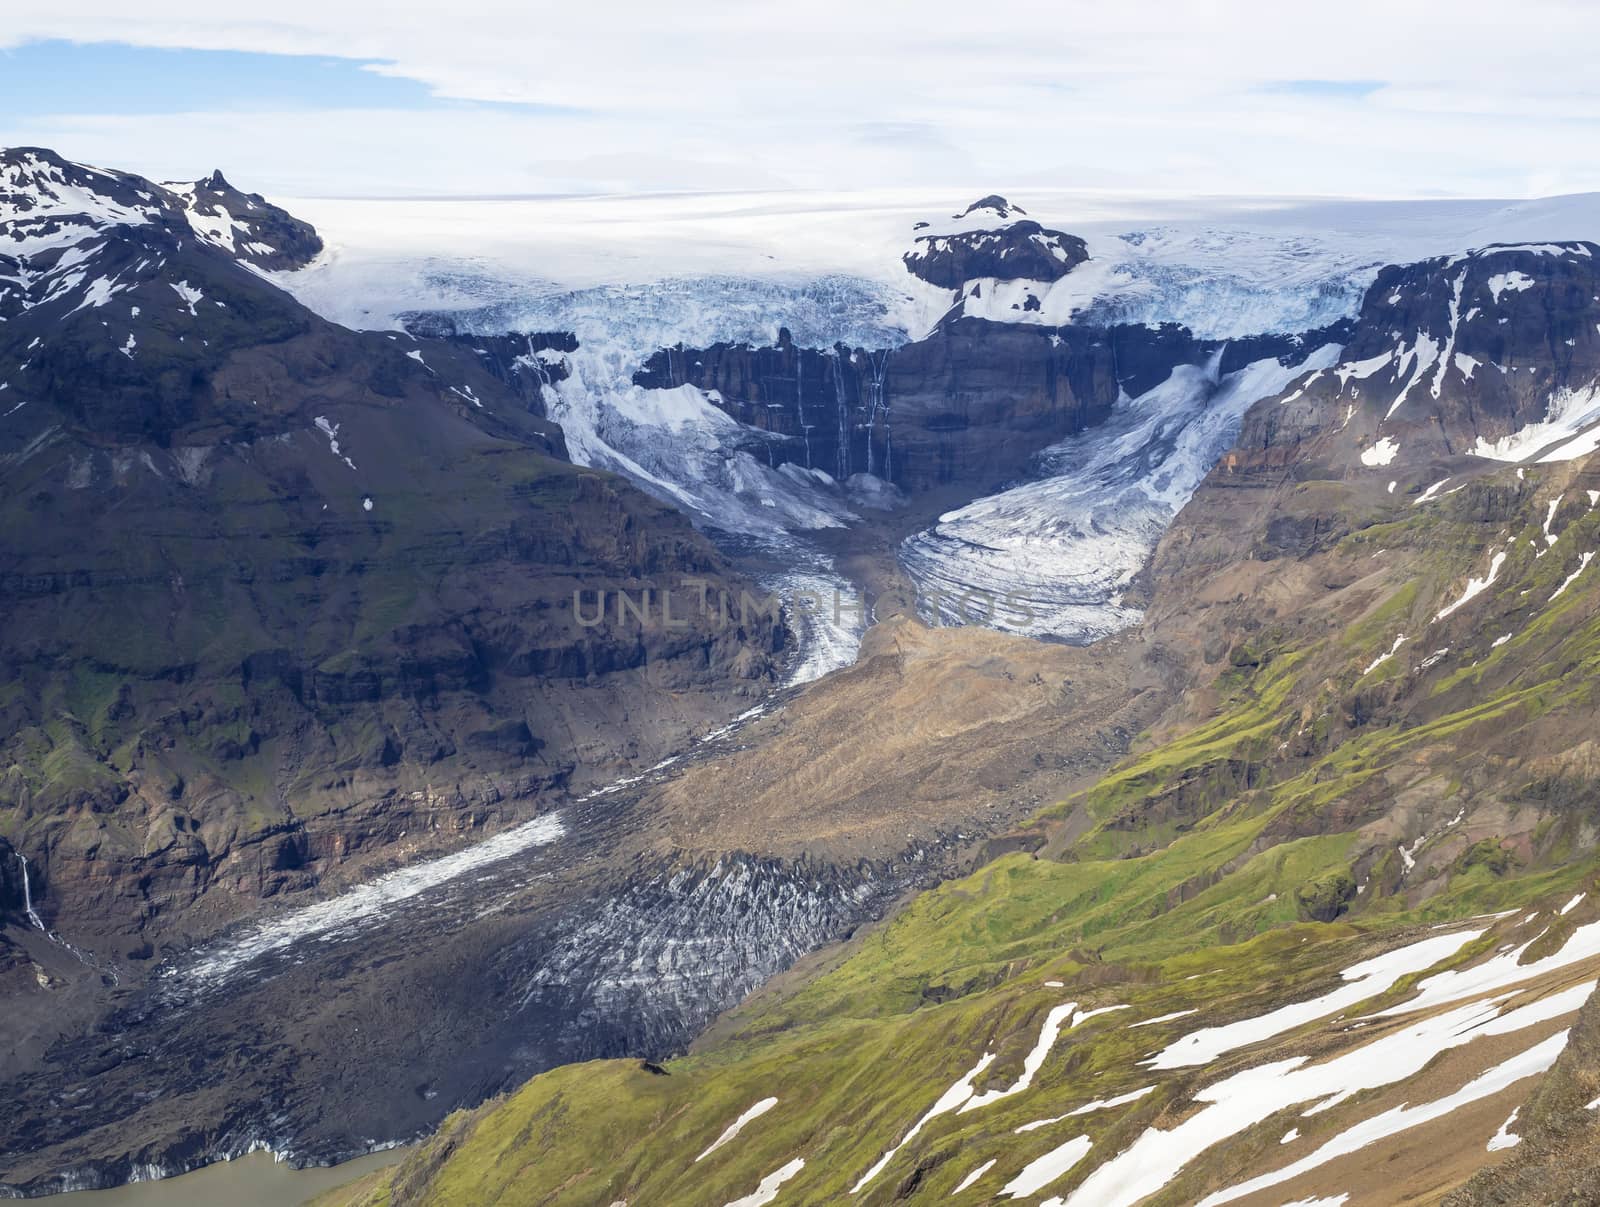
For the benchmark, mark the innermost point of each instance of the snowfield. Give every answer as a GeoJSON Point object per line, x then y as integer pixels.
{"type": "Point", "coordinates": [1222, 266]}
{"type": "Point", "coordinates": [1446, 1012]}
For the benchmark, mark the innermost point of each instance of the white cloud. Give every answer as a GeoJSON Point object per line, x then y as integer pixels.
{"type": "Point", "coordinates": [720, 93]}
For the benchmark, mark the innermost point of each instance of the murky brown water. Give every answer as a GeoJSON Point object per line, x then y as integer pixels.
{"type": "Point", "coordinates": [253, 1181]}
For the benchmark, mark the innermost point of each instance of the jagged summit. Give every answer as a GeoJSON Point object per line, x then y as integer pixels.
{"type": "Point", "coordinates": [48, 201]}
{"type": "Point", "coordinates": [59, 219]}
{"type": "Point", "coordinates": [246, 225]}
{"type": "Point", "coordinates": [133, 313]}
{"type": "Point", "coordinates": [993, 241]}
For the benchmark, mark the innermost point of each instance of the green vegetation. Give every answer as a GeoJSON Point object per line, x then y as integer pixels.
{"type": "Point", "coordinates": [1225, 869]}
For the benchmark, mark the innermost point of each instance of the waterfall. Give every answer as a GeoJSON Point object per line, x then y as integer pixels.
{"type": "Point", "coordinates": [27, 894]}
{"type": "Point", "coordinates": [800, 401]}
{"type": "Point", "coordinates": [843, 409]}
{"type": "Point", "coordinates": [878, 362]}
{"type": "Point", "coordinates": [538, 367]}
{"type": "Point", "coordinates": [83, 958]}
{"type": "Point", "coordinates": [1214, 364]}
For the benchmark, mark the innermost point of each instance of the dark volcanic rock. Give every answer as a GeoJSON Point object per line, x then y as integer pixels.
{"type": "Point", "coordinates": [527, 364]}
{"type": "Point", "coordinates": [1448, 353]}
{"type": "Point", "coordinates": [992, 239]}
{"type": "Point", "coordinates": [972, 403]}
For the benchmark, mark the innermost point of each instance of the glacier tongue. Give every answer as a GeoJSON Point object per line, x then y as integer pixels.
{"type": "Point", "coordinates": [675, 443]}
{"type": "Point", "coordinates": [1055, 555]}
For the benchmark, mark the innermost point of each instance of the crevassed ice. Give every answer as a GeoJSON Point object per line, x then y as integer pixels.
{"type": "Point", "coordinates": [1052, 557]}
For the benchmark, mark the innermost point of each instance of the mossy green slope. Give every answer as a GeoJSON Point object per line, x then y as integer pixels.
{"type": "Point", "coordinates": [1326, 806]}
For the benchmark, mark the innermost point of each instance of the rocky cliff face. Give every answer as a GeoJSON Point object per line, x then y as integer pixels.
{"type": "Point", "coordinates": [970, 404]}
{"type": "Point", "coordinates": [279, 594]}
{"type": "Point", "coordinates": [528, 364]}
{"type": "Point", "coordinates": [1493, 353]}
{"type": "Point", "coordinates": [1454, 368]}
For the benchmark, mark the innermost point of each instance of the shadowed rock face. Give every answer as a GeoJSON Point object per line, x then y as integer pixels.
{"type": "Point", "coordinates": [526, 364]}
{"type": "Point", "coordinates": [992, 239]}
{"type": "Point", "coordinates": [970, 404]}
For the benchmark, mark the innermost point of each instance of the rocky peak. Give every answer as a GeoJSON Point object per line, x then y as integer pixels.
{"type": "Point", "coordinates": [48, 202]}
{"type": "Point", "coordinates": [246, 225]}
{"type": "Point", "coordinates": [1490, 355]}
{"type": "Point", "coordinates": [72, 236]}
{"type": "Point", "coordinates": [992, 240]}
{"type": "Point", "coordinates": [135, 314]}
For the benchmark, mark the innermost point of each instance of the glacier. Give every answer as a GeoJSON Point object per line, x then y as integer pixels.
{"type": "Point", "coordinates": [631, 275]}
{"type": "Point", "coordinates": [1055, 555]}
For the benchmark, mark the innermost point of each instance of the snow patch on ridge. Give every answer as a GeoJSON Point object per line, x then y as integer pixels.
{"type": "Point", "coordinates": [1381, 453]}
{"type": "Point", "coordinates": [1568, 413]}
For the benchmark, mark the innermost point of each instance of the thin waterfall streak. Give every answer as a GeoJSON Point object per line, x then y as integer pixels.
{"type": "Point", "coordinates": [27, 895]}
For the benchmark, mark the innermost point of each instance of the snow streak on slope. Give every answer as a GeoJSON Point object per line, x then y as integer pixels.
{"type": "Point", "coordinates": [1057, 554]}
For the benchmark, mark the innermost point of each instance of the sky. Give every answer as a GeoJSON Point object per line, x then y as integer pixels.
{"type": "Point", "coordinates": [491, 97]}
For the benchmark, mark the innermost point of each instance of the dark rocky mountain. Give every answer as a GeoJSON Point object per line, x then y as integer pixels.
{"type": "Point", "coordinates": [1459, 355]}
{"type": "Point", "coordinates": [279, 594]}
{"type": "Point", "coordinates": [992, 239]}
